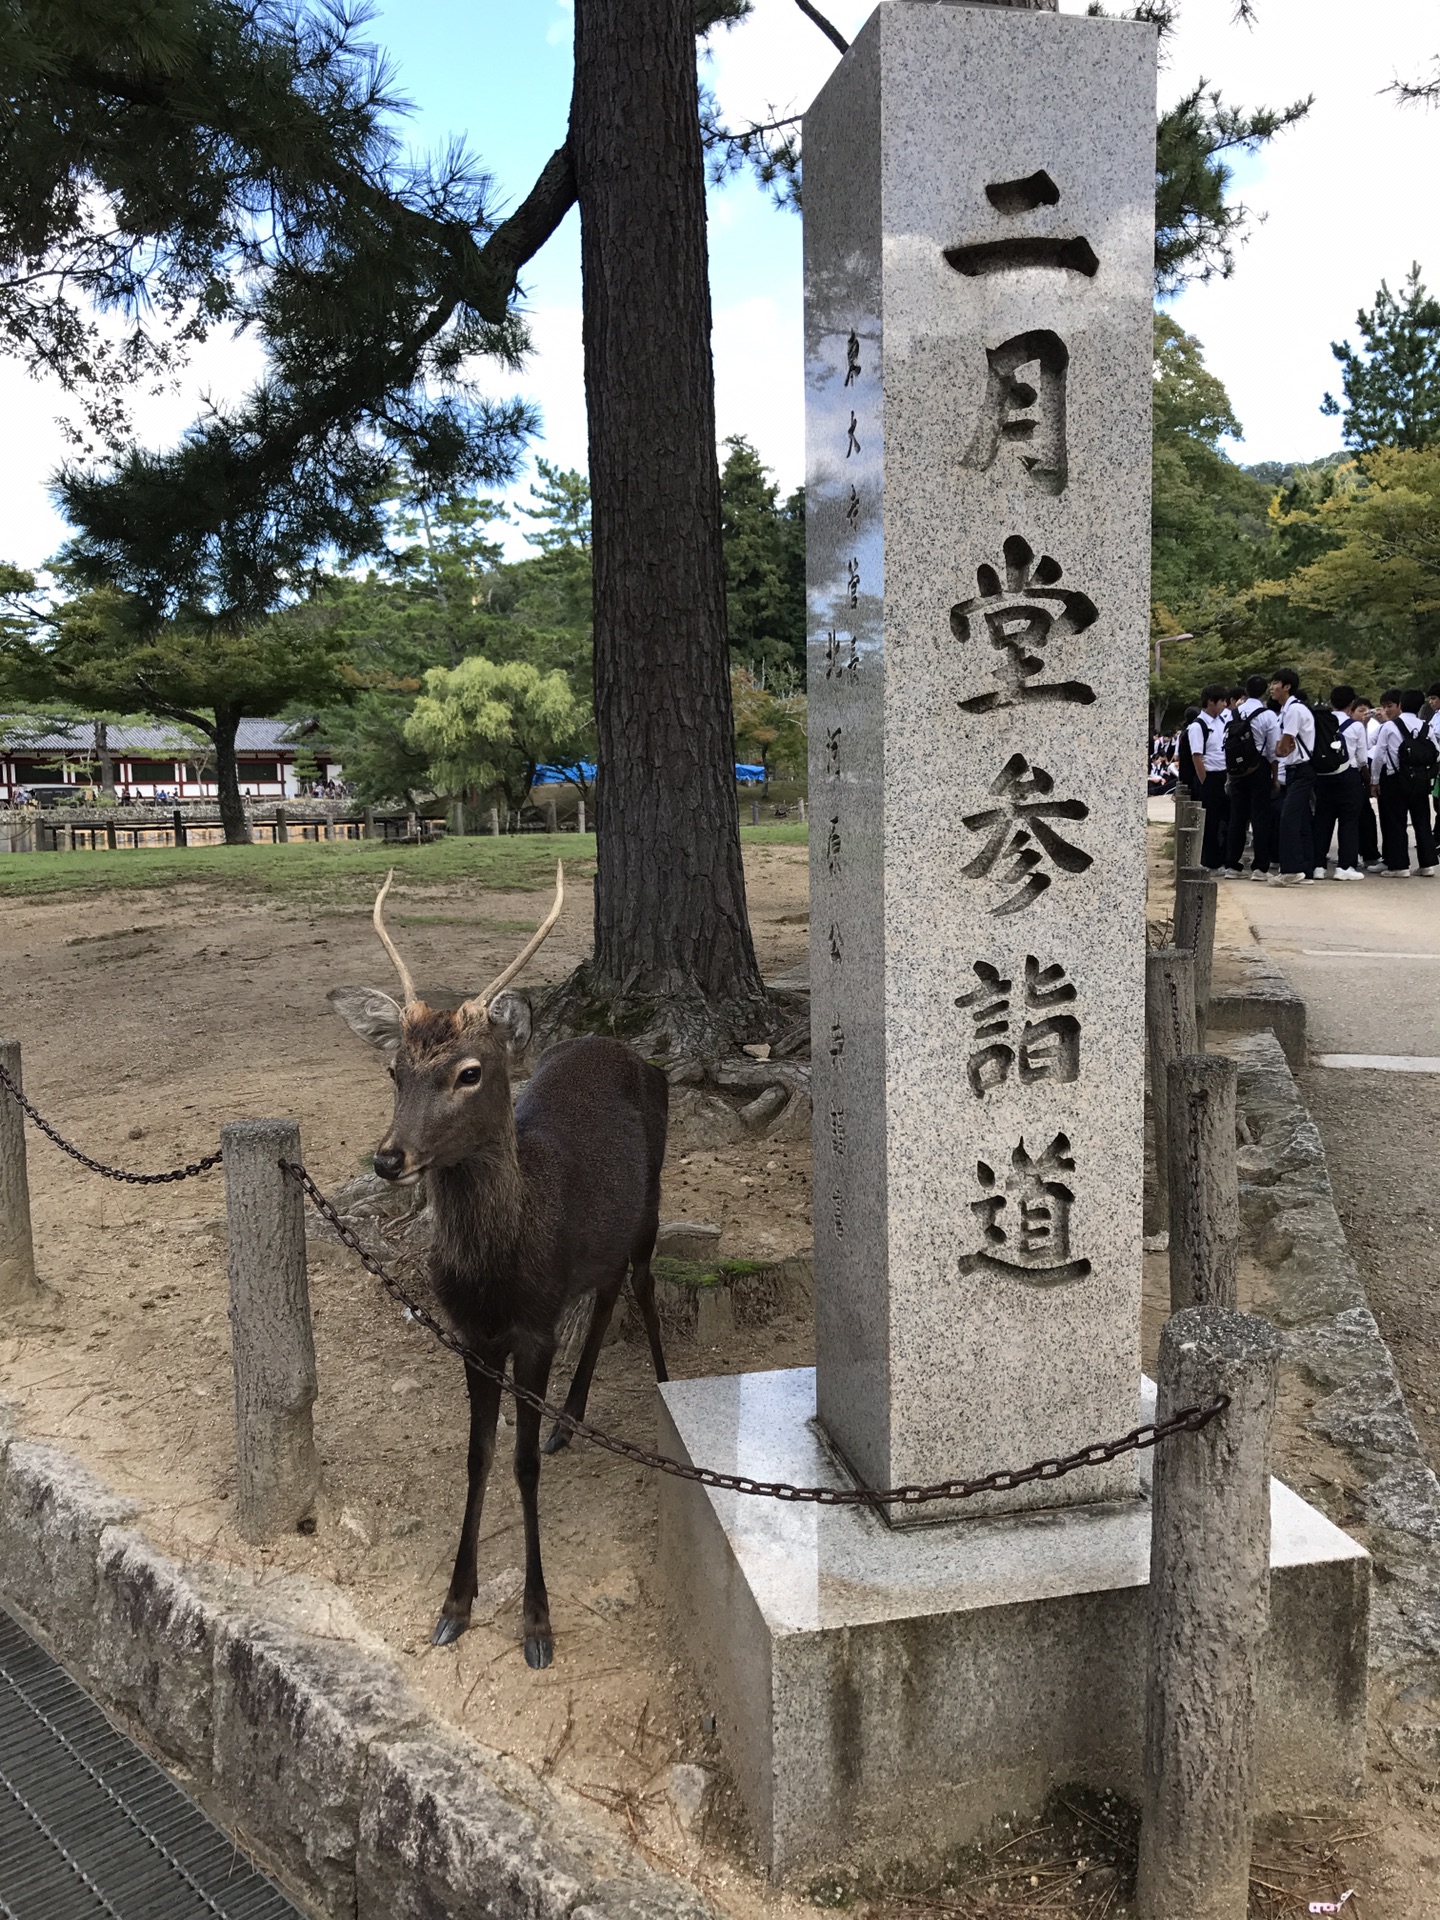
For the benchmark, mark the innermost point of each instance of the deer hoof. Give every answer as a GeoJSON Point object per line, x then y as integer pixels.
{"type": "Point", "coordinates": [447, 1629]}
{"type": "Point", "coordinates": [558, 1441]}
{"type": "Point", "coordinates": [539, 1649]}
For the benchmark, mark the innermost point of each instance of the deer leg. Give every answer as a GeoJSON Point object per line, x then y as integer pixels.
{"type": "Point", "coordinates": [532, 1370]}
{"type": "Point", "coordinates": [642, 1285]}
{"type": "Point", "coordinates": [605, 1298]}
{"type": "Point", "coordinates": [484, 1410]}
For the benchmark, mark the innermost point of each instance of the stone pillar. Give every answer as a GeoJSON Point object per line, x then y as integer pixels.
{"type": "Point", "coordinates": [1196, 901]}
{"type": "Point", "coordinates": [1209, 1611]}
{"type": "Point", "coordinates": [367, 831]}
{"type": "Point", "coordinates": [282, 825]}
{"type": "Point", "coordinates": [177, 825]}
{"type": "Point", "coordinates": [979, 205]}
{"type": "Point", "coordinates": [457, 819]}
{"type": "Point", "coordinates": [412, 826]}
{"type": "Point", "coordinates": [550, 822]}
{"type": "Point", "coordinates": [272, 1346]}
{"type": "Point", "coordinates": [17, 1250]}
{"type": "Point", "coordinates": [802, 813]}
{"type": "Point", "coordinates": [1203, 1183]}
{"type": "Point", "coordinates": [1188, 840]}
{"type": "Point", "coordinates": [580, 818]}
{"type": "Point", "coordinates": [1169, 1034]}
{"type": "Point", "coordinates": [495, 822]}
{"type": "Point", "coordinates": [754, 813]}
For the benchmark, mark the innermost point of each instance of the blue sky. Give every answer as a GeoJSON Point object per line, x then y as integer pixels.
{"type": "Point", "coordinates": [1343, 201]}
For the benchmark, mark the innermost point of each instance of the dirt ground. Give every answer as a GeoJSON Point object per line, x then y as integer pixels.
{"type": "Point", "coordinates": [147, 1021]}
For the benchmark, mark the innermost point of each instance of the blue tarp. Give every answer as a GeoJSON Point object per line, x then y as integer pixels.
{"type": "Point", "coordinates": [556, 776]}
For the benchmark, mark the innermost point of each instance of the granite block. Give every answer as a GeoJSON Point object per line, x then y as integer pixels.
{"type": "Point", "coordinates": [979, 201]}
{"type": "Point", "coordinates": [52, 1514]}
{"type": "Point", "coordinates": [153, 1657]}
{"type": "Point", "coordinates": [886, 1694]}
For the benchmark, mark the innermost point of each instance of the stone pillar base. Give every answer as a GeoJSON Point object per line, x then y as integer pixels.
{"type": "Point", "coordinates": [885, 1695]}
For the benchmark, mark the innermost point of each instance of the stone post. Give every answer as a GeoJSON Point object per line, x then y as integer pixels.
{"type": "Point", "coordinates": [754, 813]}
{"type": "Point", "coordinates": [550, 822]}
{"type": "Point", "coordinates": [412, 826]}
{"type": "Point", "coordinates": [1169, 1033]}
{"type": "Point", "coordinates": [177, 825]}
{"type": "Point", "coordinates": [1204, 1187]}
{"type": "Point", "coordinates": [457, 819]}
{"type": "Point", "coordinates": [17, 1249]}
{"type": "Point", "coordinates": [110, 835]}
{"type": "Point", "coordinates": [272, 1346]}
{"type": "Point", "coordinates": [1196, 897]}
{"type": "Point", "coordinates": [580, 818]}
{"type": "Point", "coordinates": [282, 825]}
{"type": "Point", "coordinates": [978, 283]}
{"type": "Point", "coordinates": [1209, 1610]}
{"type": "Point", "coordinates": [802, 812]}
{"type": "Point", "coordinates": [1188, 840]}
{"type": "Point", "coordinates": [367, 831]}
{"type": "Point", "coordinates": [495, 822]}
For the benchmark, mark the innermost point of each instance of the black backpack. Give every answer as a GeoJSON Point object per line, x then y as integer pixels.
{"type": "Point", "coordinates": [1243, 754]}
{"type": "Point", "coordinates": [1331, 755]}
{"type": "Point", "coordinates": [1416, 761]}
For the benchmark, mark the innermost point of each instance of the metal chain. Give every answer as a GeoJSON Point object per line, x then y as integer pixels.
{"type": "Point", "coordinates": [1187, 1420]}
{"type": "Point", "coordinates": [187, 1172]}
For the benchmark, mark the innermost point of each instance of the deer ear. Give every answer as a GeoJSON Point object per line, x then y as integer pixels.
{"type": "Point", "coordinates": [510, 1014]}
{"type": "Point", "coordinates": [370, 1013]}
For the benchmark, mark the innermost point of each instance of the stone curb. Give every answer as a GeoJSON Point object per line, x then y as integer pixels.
{"type": "Point", "coordinates": [297, 1730]}
{"type": "Point", "coordinates": [1290, 1225]}
{"type": "Point", "coordinates": [1262, 1001]}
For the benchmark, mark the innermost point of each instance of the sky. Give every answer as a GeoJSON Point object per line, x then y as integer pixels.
{"type": "Point", "coordinates": [1341, 202]}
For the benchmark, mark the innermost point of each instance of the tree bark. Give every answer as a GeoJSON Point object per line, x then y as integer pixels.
{"type": "Point", "coordinates": [671, 927]}
{"type": "Point", "coordinates": [227, 777]}
{"type": "Point", "coordinates": [107, 761]}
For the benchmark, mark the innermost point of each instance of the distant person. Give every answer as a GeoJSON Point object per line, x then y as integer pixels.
{"type": "Point", "coordinates": [1339, 791]}
{"type": "Point", "coordinates": [1205, 744]}
{"type": "Point", "coordinates": [1403, 772]}
{"type": "Point", "coordinates": [1250, 764]}
{"type": "Point", "coordinates": [1294, 756]}
{"type": "Point", "coordinates": [1432, 701]}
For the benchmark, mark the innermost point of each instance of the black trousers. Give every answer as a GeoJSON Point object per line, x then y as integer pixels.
{"type": "Point", "coordinates": [1252, 807]}
{"type": "Point", "coordinates": [1397, 812]}
{"type": "Point", "coordinates": [1297, 828]}
{"type": "Point", "coordinates": [1217, 813]}
{"type": "Point", "coordinates": [1337, 804]}
{"type": "Point", "coordinates": [1369, 831]}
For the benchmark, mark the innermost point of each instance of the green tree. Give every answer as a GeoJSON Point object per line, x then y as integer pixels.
{"type": "Point", "coordinates": [1381, 576]}
{"type": "Point", "coordinates": [488, 725]}
{"type": "Point", "coordinates": [769, 728]}
{"type": "Point", "coordinates": [562, 506]}
{"type": "Point", "coordinates": [100, 652]}
{"type": "Point", "coordinates": [1392, 384]}
{"type": "Point", "coordinates": [1209, 517]}
{"type": "Point", "coordinates": [764, 565]}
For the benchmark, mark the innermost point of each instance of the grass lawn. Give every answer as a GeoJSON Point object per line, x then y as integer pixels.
{"type": "Point", "coordinates": [328, 872]}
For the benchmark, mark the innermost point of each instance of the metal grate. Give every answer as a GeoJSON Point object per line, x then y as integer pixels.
{"type": "Point", "coordinates": [90, 1826]}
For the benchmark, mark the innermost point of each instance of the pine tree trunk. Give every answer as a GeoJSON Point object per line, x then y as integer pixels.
{"type": "Point", "coordinates": [107, 761]}
{"type": "Point", "coordinates": [227, 778]}
{"type": "Point", "coordinates": [671, 927]}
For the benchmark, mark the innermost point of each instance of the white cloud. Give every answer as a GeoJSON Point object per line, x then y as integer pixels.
{"type": "Point", "coordinates": [562, 31]}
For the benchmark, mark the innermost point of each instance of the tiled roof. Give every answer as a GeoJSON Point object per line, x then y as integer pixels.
{"type": "Point", "coordinates": [254, 736]}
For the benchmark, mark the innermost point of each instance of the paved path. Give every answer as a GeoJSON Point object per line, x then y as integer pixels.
{"type": "Point", "coordinates": [1367, 960]}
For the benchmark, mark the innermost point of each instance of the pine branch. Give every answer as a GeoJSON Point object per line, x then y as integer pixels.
{"type": "Point", "coordinates": [830, 32]}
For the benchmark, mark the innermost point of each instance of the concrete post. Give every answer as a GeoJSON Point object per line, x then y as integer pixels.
{"type": "Point", "coordinates": [272, 1347]}
{"type": "Point", "coordinates": [754, 813]}
{"type": "Point", "coordinates": [282, 825]}
{"type": "Point", "coordinates": [1195, 901]}
{"type": "Point", "coordinates": [580, 818]}
{"type": "Point", "coordinates": [412, 826]}
{"type": "Point", "coordinates": [1187, 845]}
{"type": "Point", "coordinates": [551, 825]}
{"type": "Point", "coordinates": [457, 819]}
{"type": "Point", "coordinates": [1204, 1186]}
{"type": "Point", "coordinates": [1186, 810]}
{"type": "Point", "coordinates": [17, 1248]}
{"type": "Point", "coordinates": [802, 813]}
{"type": "Point", "coordinates": [495, 822]}
{"type": "Point", "coordinates": [110, 835]}
{"type": "Point", "coordinates": [1169, 1034]}
{"type": "Point", "coordinates": [1209, 1612]}
{"type": "Point", "coordinates": [367, 831]}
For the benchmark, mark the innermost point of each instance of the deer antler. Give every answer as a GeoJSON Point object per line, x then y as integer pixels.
{"type": "Point", "coordinates": [407, 985]}
{"type": "Point", "coordinates": [480, 1003]}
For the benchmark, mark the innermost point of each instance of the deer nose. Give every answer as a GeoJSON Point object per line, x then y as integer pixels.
{"type": "Point", "coordinates": [390, 1163]}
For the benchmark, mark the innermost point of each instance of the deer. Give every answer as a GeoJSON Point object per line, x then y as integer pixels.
{"type": "Point", "coordinates": [536, 1201]}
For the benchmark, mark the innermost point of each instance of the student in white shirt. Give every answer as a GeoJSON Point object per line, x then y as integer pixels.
{"type": "Point", "coordinates": [1251, 795]}
{"type": "Point", "coordinates": [1432, 701]}
{"type": "Point", "coordinates": [1205, 742]}
{"type": "Point", "coordinates": [1400, 810]}
{"type": "Point", "coordinates": [1338, 796]}
{"type": "Point", "coordinates": [1294, 754]}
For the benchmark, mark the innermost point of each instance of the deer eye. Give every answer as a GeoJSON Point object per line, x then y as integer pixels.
{"type": "Point", "coordinates": [468, 1077]}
